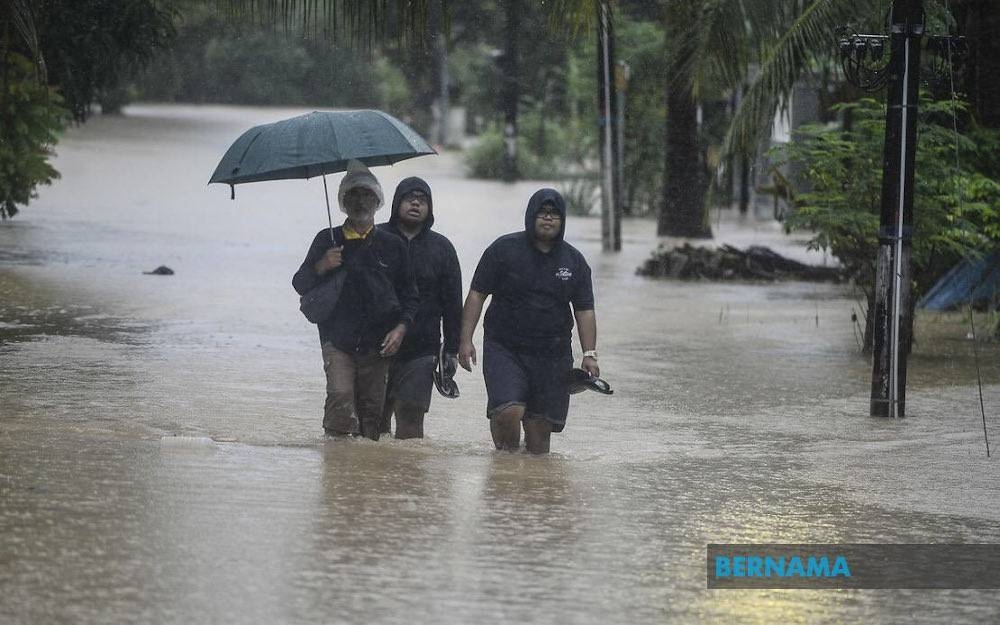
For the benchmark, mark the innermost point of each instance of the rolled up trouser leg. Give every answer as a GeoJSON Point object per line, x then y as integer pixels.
{"type": "Point", "coordinates": [338, 411]}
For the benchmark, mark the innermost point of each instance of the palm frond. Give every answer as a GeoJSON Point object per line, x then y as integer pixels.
{"type": "Point", "coordinates": [785, 62]}
{"type": "Point", "coordinates": [723, 34]}
{"type": "Point", "coordinates": [580, 15]}
{"type": "Point", "coordinates": [362, 22]}
{"type": "Point", "coordinates": [22, 18]}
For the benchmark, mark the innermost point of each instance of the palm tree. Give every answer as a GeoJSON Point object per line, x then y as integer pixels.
{"type": "Point", "coordinates": [803, 37]}
{"type": "Point", "coordinates": [979, 20]}
{"type": "Point", "coordinates": [683, 211]}
{"type": "Point", "coordinates": [716, 42]}
{"type": "Point", "coordinates": [19, 30]}
{"type": "Point", "coordinates": [720, 42]}
{"type": "Point", "coordinates": [709, 41]}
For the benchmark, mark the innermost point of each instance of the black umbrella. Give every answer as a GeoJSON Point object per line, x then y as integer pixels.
{"type": "Point", "coordinates": [317, 144]}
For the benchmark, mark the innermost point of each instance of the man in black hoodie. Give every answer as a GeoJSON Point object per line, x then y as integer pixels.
{"type": "Point", "coordinates": [376, 307]}
{"type": "Point", "coordinates": [439, 281]}
{"type": "Point", "coordinates": [533, 276]}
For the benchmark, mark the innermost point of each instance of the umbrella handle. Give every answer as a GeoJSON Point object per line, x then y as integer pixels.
{"type": "Point", "coordinates": [329, 217]}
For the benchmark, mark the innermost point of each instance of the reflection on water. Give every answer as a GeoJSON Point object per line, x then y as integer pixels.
{"type": "Point", "coordinates": [739, 416]}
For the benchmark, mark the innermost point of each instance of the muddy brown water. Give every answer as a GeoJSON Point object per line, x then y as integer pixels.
{"type": "Point", "coordinates": [739, 416]}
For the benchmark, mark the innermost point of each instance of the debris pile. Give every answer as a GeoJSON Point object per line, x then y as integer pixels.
{"type": "Point", "coordinates": [730, 263]}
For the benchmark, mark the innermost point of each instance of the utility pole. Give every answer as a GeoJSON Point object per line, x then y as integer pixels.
{"type": "Point", "coordinates": [437, 30]}
{"type": "Point", "coordinates": [861, 57]}
{"type": "Point", "coordinates": [611, 238]}
{"type": "Point", "coordinates": [444, 79]}
{"type": "Point", "coordinates": [893, 323]}
{"type": "Point", "coordinates": [622, 75]}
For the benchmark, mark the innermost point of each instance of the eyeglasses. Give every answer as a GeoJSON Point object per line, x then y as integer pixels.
{"type": "Point", "coordinates": [548, 214]}
{"type": "Point", "coordinates": [416, 196]}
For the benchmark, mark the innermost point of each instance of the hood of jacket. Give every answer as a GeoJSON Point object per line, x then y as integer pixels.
{"type": "Point", "coordinates": [543, 196]}
{"type": "Point", "coordinates": [405, 186]}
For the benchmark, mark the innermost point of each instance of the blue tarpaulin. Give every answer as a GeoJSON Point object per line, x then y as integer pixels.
{"type": "Point", "coordinates": [977, 280]}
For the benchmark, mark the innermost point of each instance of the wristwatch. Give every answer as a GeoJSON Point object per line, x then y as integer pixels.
{"type": "Point", "coordinates": [590, 353]}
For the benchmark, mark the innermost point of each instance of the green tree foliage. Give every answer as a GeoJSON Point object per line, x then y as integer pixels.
{"type": "Point", "coordinates": [475, 75]}
{"type": "Point", "coordinates": [215, 61]}
{"type": "Point", "coordinates": [640, 45]}
{"type": "Point", "coordinates": [30, 121]}
{"type": "Point", "coordinates": [92, 46]}
{"type": "Point", "coordinates": [538, 159]}
{"type": "Point", "coordinates": [956, 205]}
{"type": "Point", "coordinates": [558, 130]}
{"type": "Point", "coordinates": [81, 48]}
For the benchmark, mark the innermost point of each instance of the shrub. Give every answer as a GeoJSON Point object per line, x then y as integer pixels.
{"type": "Point", "coordinates": [581, 194]}
{"type": "Point", "coordinates": [393, 94]}
{"type": "Point", "coordinates": [30, 120]}
{"type": "Point", "coordinates": [214, 61]}
{"type": "Point", "coordinates": [956, 210]}
{"type": "Point", "coordinates": [486, 159]}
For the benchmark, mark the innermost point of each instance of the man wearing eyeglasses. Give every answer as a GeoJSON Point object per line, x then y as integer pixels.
{"type": "Point", "coordinates": [539, 283]}
{"type": "Point", "coordinates": [439, 281]}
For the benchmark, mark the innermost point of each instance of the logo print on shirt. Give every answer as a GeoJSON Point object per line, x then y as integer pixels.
{"type": "Point", "coordinates": [564, 273]}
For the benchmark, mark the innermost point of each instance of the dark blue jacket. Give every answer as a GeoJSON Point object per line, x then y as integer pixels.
{"type": "Point", "coordinates": [379, 258]}
{"type": "Point", "coordinates": [439, 281]}
{"type": "Point", "coordinates": [532, 290]}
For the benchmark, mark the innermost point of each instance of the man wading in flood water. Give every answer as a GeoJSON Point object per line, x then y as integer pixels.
{"type": "Point", "coordinates": [534, 276]}
{"type": "Point", "coordinates": [376, 306]}
{"type": "Point", "coordinates": [439, 280]}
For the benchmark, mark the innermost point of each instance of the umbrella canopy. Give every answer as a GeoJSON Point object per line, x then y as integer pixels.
{"type": "Point", "coordinates": [316, 144]}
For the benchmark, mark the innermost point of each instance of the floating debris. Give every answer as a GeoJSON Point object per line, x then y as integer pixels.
{"type": "Point", "coordinates": [730, 263]}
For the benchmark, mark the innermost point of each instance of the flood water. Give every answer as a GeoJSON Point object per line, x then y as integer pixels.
{"type": "Point", "coordinates": [740, 415]}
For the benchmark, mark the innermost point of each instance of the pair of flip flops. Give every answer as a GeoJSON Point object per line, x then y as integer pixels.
{"type": "Point", "coordinates": [444, 380]}
{"type": "Point", "coordinates": [580, 381]}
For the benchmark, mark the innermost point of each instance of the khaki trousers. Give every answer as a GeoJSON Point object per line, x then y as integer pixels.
{"type": "Point", "coordinates": [355, 391]}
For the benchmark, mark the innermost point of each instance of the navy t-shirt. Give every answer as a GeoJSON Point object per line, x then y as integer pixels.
{"type": "Point", "coordinates": [532, 292]}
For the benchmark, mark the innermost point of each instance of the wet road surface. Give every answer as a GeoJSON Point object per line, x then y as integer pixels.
{"type": "Point", "coordinates": [739, 416]}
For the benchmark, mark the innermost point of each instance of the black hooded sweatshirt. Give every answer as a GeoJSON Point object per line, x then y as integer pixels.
{"type": "Point", "coordinates": [379, 256]}
{"type": "Point", "coordinates": [439, 280]}
{"type": "Point", "coordinates": [532, 290]}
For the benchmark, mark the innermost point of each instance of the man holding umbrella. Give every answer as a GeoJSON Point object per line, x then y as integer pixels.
{"type": "Point", "coordinates": [376, 307]}
{"type": "Point", "coordinates": [439, 280]}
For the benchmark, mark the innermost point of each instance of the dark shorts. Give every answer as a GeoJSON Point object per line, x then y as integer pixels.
{"type": "Point", "coordinates": [538, 382]}
{"type": "Point", "coordinates": [411, 381]}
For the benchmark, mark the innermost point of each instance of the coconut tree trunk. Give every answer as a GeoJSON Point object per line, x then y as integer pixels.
{"type": "Point", "coordinates": [979, 21]}
{"type": "Point", "coordinates": [683, 212]}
